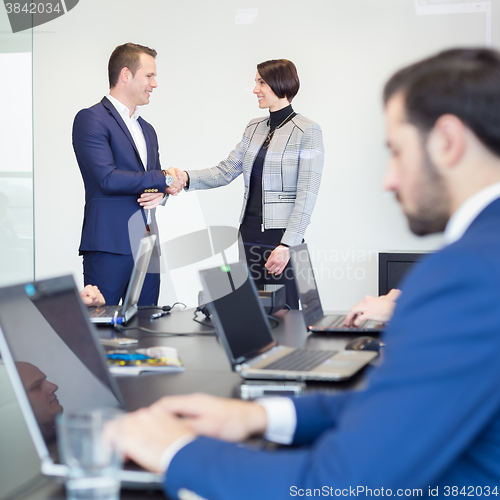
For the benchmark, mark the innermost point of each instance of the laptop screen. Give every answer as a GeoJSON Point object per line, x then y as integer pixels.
{"type": "Point", "coordinates": [306, 284]}
{"type": "Point", "coordinates": [236, 310]}
{"type": "Point", "coordinates": [47, 337]}
{"type": "Point", "coordinates": [139, 272]}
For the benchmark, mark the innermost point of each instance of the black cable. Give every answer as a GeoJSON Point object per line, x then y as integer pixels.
{"type": "Point", "coordinates": [176, 304]}
{"type": "Point", "coordinates": [163, 308]}
{"type": "Point", "coordinates": [162, 334]}
{"type": "Point", "coordinates": [272, 318]}
{"type": "Point", "coordinates": [167, 334]}
{"type": "Point", "coordinates": [198, 321]}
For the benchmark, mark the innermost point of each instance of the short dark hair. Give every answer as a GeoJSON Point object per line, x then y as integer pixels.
{"type": "Point", "coordinates": [128, 56]}
{"type": "Point", "coordinates": [461, 82]}
{"type": "Point", "coordinates": [281, 75]}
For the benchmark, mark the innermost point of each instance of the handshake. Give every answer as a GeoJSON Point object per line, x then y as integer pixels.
{"type": "Point", "coordinates": [149, 201]}
{"type": "Point", "coordinates": [180, 181]}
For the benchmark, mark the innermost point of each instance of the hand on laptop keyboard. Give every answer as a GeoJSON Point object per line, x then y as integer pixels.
{"type": "Point", "coordinates": [92, 296]}
{"type": "Point", "coordinates": [373, 308]}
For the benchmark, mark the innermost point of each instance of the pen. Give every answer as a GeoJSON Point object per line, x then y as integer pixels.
{"type": "Point", "coordinates": [159, 315]}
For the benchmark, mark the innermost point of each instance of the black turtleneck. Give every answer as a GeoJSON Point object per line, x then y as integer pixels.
{"type": "Point", "coordinates": [276, 120]}
{"type": "Point", "coordinates": [278, 117]}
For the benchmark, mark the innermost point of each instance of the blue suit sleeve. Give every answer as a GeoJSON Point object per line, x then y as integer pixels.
{"type": "Point", "coordinates": [426, 410]}
{"type": "Point", "coordinates": [98, 152]}
{"type": "Point", "coordinates": [317, 414]}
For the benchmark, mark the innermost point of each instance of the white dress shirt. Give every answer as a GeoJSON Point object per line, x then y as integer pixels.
{"type": "Point", "coordinates": [137, 134]}
{"type": "Point", "coordinates": [468, 211]}
{"type": "Point", "coordinates": [133, 127]}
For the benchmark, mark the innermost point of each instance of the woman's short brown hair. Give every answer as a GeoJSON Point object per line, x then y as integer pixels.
{"type": "Point", "coordinates": [126, 56]}
{"type": "Point", "coordinates": [281, 75]}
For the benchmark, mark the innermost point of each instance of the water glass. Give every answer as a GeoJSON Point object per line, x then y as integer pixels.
{"type": "Point", "coordinates": [93, 463]}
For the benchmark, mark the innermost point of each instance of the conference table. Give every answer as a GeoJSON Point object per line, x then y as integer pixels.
{"type": "Point", "coordinates": [207, 369]}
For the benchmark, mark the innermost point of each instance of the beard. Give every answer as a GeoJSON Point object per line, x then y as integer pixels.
{"type": "Point", "coordinates": [433, 203]}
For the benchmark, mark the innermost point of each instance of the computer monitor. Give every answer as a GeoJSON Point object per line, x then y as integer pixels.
{"type": "Point", "coordinates": [392, 267]}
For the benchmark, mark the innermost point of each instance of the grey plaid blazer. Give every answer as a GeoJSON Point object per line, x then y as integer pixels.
{"type": "Point", "coordinates": [291, 173]}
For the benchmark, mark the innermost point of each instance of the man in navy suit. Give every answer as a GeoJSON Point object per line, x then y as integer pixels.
{"type": "Point", "coordinates": [117, 152]}
{"type": "Point", "coordinates": [428, 422]}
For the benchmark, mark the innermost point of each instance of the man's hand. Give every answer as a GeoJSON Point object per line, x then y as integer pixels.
{"type": "Point", "coordinates": [91, 296]}
{"type": "Point", "coordinates": [145, 434]}
{"type": "Point", "coordinates": [278, 260]}
{"type": "Point", "coordinates": [373, 308]}
{"type": "Point", "coordinates": [150, 200]}
{"type": "Point", "coordinates": [228, 419]}
{"type": "Point", "coordinates": [180, 181]}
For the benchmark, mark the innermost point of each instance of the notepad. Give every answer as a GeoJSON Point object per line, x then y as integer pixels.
{"type": "Point", "coordinates": [136, 361]}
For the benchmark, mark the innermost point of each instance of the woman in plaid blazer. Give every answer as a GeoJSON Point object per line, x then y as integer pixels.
{"type": "Point", "coordinates": [281, 159]}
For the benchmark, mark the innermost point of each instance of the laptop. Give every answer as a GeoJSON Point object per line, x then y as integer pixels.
{"type": "Point", "coordinates": [244, 331]}
{"type": "Point", "coordinates": [316, 321]}
{"type": "Point", "coordinates": [111, 315]}
{"type": "Point", "coordinates": [46, 336]}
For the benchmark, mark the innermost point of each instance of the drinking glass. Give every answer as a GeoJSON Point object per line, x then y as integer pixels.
{"type": "Point", "coordinates": [93, 462]}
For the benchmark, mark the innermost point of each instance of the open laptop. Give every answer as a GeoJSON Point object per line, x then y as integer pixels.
{"type": "Point", "coordinates": [46, 337]}
{"type": "Point", "coordinates": [315, 319]}
{"type": "Point", "coordinates": [245, 333]}
{"type": "Point", "coordinates": [110, 315]}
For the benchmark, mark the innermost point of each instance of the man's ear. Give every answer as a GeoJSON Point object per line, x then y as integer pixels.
{"type": "Point", "coordinates": [446, 142]}
{"type": "Point", "coordinates": [125, 75]}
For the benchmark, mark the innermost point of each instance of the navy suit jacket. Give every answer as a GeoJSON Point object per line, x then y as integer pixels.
{"type": "Point", "coordinates": [429, 418]}
{"type": "Point", "coordinates": [114, 177]}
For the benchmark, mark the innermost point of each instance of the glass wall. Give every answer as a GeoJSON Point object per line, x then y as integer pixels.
{"type": "Point", "coordinates": [16, 154]}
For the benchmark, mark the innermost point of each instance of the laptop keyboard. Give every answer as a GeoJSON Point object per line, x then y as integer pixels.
{"type": "Point", "coordinates": [335, 321]}
{"type": "Point", "coordinates": [100, 312]}
{"type": "Point", "coordinates": [300, 360]}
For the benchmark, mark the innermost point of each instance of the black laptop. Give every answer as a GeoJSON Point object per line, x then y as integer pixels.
{"type": "Point", "coordinates": [315, 319]}
{"type": "Point", "coordinates": [45, 332]}
{"type": "Point", "coordinates": [245, 334]}
{"type": "Point", "coordinates": [118, 315]}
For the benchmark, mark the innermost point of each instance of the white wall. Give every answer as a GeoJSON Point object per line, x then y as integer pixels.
{"type": "Point", "coordinates": [206, 66]}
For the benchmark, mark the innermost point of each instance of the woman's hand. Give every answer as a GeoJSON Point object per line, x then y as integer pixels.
{"type": "Point", "coordinates": [278, 260]}
{"type": "Point", "coordinates": [180, 179]}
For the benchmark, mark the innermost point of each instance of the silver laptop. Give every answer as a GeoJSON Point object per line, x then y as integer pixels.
{"type": "Point", "coordinates": [245, 333]}
{"type": "Point", "coordinates": [46, 337]}
{"type": "Point", "coordinates": [109, 314]}
{"type": "Point", "coordinates": [315, 319]}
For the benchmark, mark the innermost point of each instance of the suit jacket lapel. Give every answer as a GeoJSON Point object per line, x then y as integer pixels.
{"type": "Point", "coordinates": [149, 145]}
{"type": "Point", "coordinates": [114, 113]}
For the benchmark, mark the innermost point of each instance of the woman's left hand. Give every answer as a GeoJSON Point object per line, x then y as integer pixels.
{"type": "Point", "coordinates": [278, 260]}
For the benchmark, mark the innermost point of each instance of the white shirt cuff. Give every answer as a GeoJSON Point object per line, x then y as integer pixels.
{"type": "Point", "coordinates": [173, 449]}
{"type": "Point", "coordinates": [281, 419]}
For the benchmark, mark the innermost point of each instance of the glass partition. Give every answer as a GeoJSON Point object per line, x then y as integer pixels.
{"type": "Point", "coordinates": [16, 154]}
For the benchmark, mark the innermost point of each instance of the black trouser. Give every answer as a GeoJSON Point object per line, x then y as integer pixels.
{"type": "Point", "coordinates": [111, 273]}
{"type": "Point", "coordinates": [258, 245]}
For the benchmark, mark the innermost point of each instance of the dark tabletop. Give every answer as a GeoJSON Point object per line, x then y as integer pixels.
{"type": "Point", "coordinates": [206, 369]}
